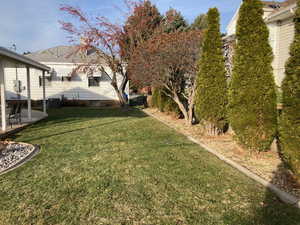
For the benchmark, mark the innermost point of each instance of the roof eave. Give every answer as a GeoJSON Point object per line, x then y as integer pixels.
{"type": "Point", "coordinates": [23, 59]}
{"type": "Point", "coordinates": [286, 13]}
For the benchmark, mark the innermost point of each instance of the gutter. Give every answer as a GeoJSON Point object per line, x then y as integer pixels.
{"type": "Point", "coordinates": [23, 59]}
{"type": "Point", "coordinates": [286, 13]}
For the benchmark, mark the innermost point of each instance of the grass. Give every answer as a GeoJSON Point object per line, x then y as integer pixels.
{"type": "Point", "coordinates": [112, 166]}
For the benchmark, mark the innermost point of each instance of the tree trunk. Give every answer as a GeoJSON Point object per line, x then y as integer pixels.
{"type": "Point", "coordinates": [191, 114]}
{"type": "Point", "coordinates": [120, 91]}
{"type": "Point", "coordinates": [186, 113]}
{"type": "Point", "coordinates": [191, 102]}
{"type": "Point", "coordinates": [124, 83]}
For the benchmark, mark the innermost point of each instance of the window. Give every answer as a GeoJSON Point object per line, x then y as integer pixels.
{"type": "Point", "coordinates": [47, 81]}
{"type": "Point", "coordinates": [94, 81]}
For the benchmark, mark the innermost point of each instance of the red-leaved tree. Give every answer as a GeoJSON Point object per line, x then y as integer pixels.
{"type": "Point", "coordinates": [140, 26]}
{"type": "Point", "coordinates": [112, 44]}
{"type": "Point", "coordinates": [168, 61]}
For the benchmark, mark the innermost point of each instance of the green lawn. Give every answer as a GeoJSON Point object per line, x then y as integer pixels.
{"type": "Point", "coordinates": [113, 166]}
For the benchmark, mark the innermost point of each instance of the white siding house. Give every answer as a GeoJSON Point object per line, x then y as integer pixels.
{"type": "Point", "coordinates": [59, 82]}
{"type": "Point", "coordinates": [279, 19]}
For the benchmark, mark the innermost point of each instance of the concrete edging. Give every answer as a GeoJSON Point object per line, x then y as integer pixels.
{"type": "Point", "coordinates": [284, 196]}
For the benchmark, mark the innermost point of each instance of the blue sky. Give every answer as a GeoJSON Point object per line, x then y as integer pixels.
{"type": "Point", "coordinates": [33, 24]}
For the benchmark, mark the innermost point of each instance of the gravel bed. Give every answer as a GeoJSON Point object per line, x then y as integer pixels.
{"type": "Point", "coordinates": [12, 153]}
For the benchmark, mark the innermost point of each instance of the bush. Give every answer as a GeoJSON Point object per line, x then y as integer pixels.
{"type": "Point", "coordinates": [171, 107]}
{"type": "Point", "coordinates": [155, 96]}
{"type": "Point", "coordinates": [211, 91]}
{"type": "Point", "coordinates": [290, 118]}
{"type": "Point", "coordinates": [164, 103]}
{"type": "Point", "coordinates": [252, 95]}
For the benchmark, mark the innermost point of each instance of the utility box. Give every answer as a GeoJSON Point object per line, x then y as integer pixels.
{"type": "Point", "coordinates": [18, 86]}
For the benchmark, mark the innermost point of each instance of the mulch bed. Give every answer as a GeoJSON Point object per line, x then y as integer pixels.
{"type": "Point", "coordinates": [267, 165]}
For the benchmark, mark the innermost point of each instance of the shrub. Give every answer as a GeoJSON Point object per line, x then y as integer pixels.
{"type": "Point", "coordinates": [252, 96]}
{"type": "Point", "coordinates": [211, 91]}
{"type": "Point", "coordinates": [158, 99]}
{"type": "Point", "coordinates": [171, 107]}
{"type": "Point", "coordinates": [290, 119]}
{"type": "Point", "coordinates": [163, 102]}
{"type": "Point", "coordinates": [155, 96]}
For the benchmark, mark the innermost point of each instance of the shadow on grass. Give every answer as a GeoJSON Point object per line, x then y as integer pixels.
{"type": "Point", "coordinates": [275, 212]}
{"type": "Point", "coordinates": [272, 210]}
{"type": "Point", "coordinates": [82, 112]}
{"type": "Point", "coordinates": [74, 130]}
{"type": "Point", "coordinates": [71, 115]}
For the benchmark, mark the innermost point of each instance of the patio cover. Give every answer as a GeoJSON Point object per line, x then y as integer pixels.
{"type": "Point", "coordinates": [8, 55]}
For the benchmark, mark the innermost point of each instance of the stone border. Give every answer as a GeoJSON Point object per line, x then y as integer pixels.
{"type": "Point", "coordinates": [284, 196]}
{"type": "Point", "coordinates": [36, 150]}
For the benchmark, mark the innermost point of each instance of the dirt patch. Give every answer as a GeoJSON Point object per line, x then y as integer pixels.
{"type": "Point", "coordinates": [267, 165]}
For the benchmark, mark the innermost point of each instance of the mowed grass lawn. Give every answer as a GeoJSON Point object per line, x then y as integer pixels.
{"type": "Point", "coordinates": [114, 166]}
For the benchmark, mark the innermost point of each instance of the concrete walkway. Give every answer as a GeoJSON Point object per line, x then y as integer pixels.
{"type": "Point", "coordinates": [36, 116]}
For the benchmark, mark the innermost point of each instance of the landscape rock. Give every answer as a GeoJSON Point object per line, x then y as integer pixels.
{"type": "Point", "coordinates": [12, 153]}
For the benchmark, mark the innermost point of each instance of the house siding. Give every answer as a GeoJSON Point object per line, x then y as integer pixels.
{"type": "Point", "coordinates": [286, 32]}
{"type": "Point", "coordinates": [231, 27]}
{"type": "Point", "coordinates": [77, 88]}
{"type": "Point", "coordinates": [12, 72]}
{"type": "Point", "coordinates": [281, 35]}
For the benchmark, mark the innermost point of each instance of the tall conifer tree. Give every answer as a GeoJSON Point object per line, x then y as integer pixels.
{"type": "Point", "coordinates": [211, 92]}
{"type": "Point", "coordinates": [290, 120]}
{"type": "Point", "coordinates": [252, 97]}
{"type": "Point", "coordinates": [174, 21]}
{"type": "Point", "coordinates": [200, 23]}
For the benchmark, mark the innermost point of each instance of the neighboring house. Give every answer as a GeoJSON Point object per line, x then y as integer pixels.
{"type": "Point", "coordinates": [279, 19]}
{"type": "Point", "coordinates": [61, 82]}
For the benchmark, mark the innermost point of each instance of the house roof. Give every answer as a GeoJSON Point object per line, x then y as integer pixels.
{"type": "Point", "coordinates": [5, 53]}
{"type": "Point", "coordinates": [288, 2]}
{"type": "Point", "coordinates": [61, 54]}
{"type": "Point", "coordinates": [272, 4]}
{"type": "Point", "coordinates": [283, 12]}
{"type": "Point", "coordinates": [279, 6]}
{"type": "Point", "coordinates": [277, 11]}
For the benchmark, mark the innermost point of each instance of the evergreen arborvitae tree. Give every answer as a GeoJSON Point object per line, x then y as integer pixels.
{"type": "Point", "coordinates": [155, 97]}
{"type": "Point", "coordinates": [174, 21]}
{"type": "Point", "coordinates": [211, 91]}
{"type": "Point", "coordinates": [252, 96]}
{"type": "Point", "coordinates": [290, 120]}
{"type": "Point", "coordinates": [200, 23]}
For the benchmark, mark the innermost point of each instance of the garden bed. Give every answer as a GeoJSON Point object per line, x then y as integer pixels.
{"type": "Point", "coordinates": [267, 165]}
{"type": "Point", "coordinates": [14, 154]}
